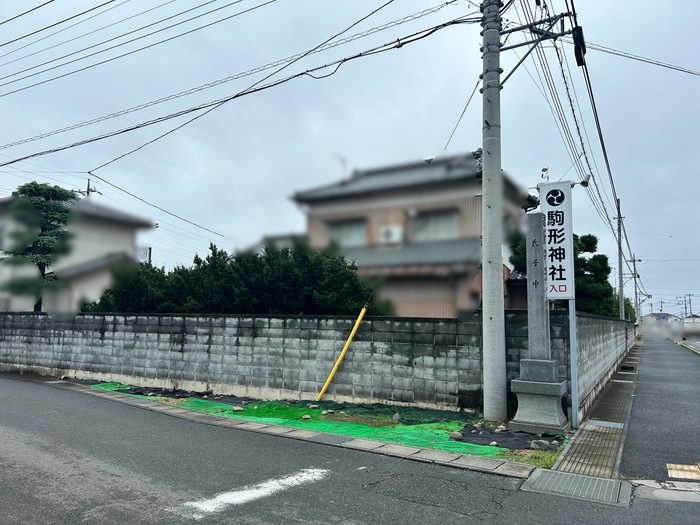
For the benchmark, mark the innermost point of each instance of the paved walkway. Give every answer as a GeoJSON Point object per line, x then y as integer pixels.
{"type": "Point", "coordinates": [665, 421]}
{"type": "Point", "coordinates": [645, 424]}
{"type": "Point", "coordinates": [596, 446]}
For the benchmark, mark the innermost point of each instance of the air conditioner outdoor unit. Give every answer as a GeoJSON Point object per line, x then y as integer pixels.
{"type": "Point", "coordinates": [391, 234]}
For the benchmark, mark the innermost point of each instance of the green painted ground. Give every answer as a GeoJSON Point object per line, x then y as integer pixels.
{"type": "Point", "coordinates": [419, 427]}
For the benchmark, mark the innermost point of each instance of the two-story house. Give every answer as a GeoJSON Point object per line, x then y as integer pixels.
{"type": "Point", "coordinates": [101, 237]}
{"type": "Point", "coordinates": [416, 226]}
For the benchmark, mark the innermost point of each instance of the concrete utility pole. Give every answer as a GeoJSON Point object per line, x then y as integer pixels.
{"type": "Point", "coordinates": [636, 294]}
{"type": "Point", "coordinates": [494, 347]}
{"type": "Point", "coordinates": [620, 289]}
{"type": "Point", "coordinates": [89, 190]}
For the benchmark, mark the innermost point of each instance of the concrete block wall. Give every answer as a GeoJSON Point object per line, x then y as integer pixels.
{"type": "Point", "coordinates": [426, 362]}
{"type": "Point", "coordinates": [602, 344]}
{"type": "Point", "coordinates": [417, 361]}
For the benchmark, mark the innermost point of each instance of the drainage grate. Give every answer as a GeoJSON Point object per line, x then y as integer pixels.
{"type": "Point", "coordinates": [55, 382]}
{"type": "Point", "coordinates": [137, 401]}
{"type": "Point", "coordinates": [332, 439]}
{"type": "Point", "coordinates": [608, 424]}
{"type": "Point", "coordinates": [599, 490]}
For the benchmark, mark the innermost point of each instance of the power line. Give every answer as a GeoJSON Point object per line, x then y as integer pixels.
{"type": "Point", "coordinates": [216, 106]}
{"type": "Point", "coordinates": [107, 41]}
{"type": "Point", "coordinates": [79, 36]}
{"type": "Point", "coordinates": [56, 23]}
{"type": "Point", "coordinates": [154, 205]}
{"type": "Point", "coordinates": [127, 53]}
{"type": "Point", "coordinates": [259, 69]}
{"type": "Point", "coordinates": [216, 103]}
{"type": "Point", "coordinates": [252, 87]}
{"type": "Point", "coordinates": [462, 115]}
{"type": "Point", "coordinates": [631, 56]}
{"type": "Point", "coordinates": [25, 13]}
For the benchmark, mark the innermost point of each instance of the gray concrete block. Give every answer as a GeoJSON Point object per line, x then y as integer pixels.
{"type": "Point", "coordinates": [402, 326]}
{"type": "Point", "coordinates": [381, 326]}
{"type": "Point", "coordinates": [308, 386]}
{"type": "Point", "coordinates": [340, 389]}
{"type": "Point", "coordinates": [402, 383]}
{"type": "Point", "coordinates": [276, 333]}
{"type": "Point", "coordinates": [292, 333]}
{"type": "Point", "coordinates": [344, 325]}
{"type": "Point", "coordinates": [382, 380]}
{"type": "Point", "coordinates": [405, 396]}
{"type": "Point", "coordinates": [446, 327]}
{"type": "Point", "coordinates": [469, 328]}
{"type": "Point", "coordinates": [292, 323]}
{"type": "Point", "coordinates": [309, 324]}
{"type": "Point", "coordinates": [276, 323]}
{"type": "Point", "coordinates": [423, 327]}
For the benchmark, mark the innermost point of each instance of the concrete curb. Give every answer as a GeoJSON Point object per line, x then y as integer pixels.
{"type": "Point", "coordinates": [681, 343]}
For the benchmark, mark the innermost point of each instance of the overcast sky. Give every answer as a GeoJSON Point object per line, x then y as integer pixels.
{"type": "Point", "coordinates": [233, 170]}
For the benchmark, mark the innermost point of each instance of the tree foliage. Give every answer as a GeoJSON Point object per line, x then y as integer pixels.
{"type": "Point", "coordinates": [287, 281]}
{"type": "Point", "coordinates": [41, 213]}
{"type": "Point", "coordinates": [594, 293]}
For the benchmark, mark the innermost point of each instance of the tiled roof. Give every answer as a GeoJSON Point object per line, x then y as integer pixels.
{"type": "Point", "coordinates": [89, 267]}
{"type": "Point", "coordinates": [90, 208]}
{"type": "Point", "coordinates": [392, 178]}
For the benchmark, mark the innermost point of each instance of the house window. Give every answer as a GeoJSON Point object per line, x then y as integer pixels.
{"type": "Point", "coordinates": [434, 225]}
{"type": "Point", "coordinates": [348, 233]}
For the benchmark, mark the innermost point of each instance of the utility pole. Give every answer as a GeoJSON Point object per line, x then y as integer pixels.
{"type": "Point", "coordinates": [494, 347]}
{"type": "Point", "coordinates": [636, 294]}
{"type": "Point", "coordinates": [89, 190]}
{"type": "Point", "coordinates": [620, 290]}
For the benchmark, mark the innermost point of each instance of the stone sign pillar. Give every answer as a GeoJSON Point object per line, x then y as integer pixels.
{"type": "Point", "coordinates": [539, 389]}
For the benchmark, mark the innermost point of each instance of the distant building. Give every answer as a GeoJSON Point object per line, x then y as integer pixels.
{"type": "Point", "coordinates": [661, 316]}
{"type": "Point", "coordinates": [417, 227]}
{"type": "Point", "coordinates": [102, 238]}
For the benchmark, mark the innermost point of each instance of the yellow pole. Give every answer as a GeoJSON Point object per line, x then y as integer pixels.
{"type": "Point", "coordinates": [342, 354]}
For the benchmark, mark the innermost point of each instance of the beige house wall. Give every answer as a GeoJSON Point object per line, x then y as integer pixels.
{"type": "Point", "coordinates": [383, 211]}
{"type": "Point", "coordinates": [432, 296]}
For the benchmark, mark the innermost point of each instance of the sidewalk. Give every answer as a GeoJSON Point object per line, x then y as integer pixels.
{"type": "Point", "coordinates": [643, 427]}
{"type": "Point", "coordinates": [596, 448]}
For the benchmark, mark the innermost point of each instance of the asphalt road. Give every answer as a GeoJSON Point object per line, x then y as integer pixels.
{"type": "Point", "coordinates": [67, 457]}
{"type": "Point", "coordinates": [664, 426]}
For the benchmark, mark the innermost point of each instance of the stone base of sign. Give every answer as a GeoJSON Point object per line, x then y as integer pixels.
{"type": "Point", "coordinates": [539, 407]}
{"type": "Point", "coordinates": [544, 370]}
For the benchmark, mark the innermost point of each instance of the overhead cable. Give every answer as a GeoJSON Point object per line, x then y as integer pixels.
{"type": "Point", "coordinates": [55, 23]}
{"type": "Point", "coordinates": [216, 103]}
{"type": "Point", "coordinates": [123, 54]}
{"type": "Point", "coordinates": [259, 69]}
{"type": "Point", "coordinates": [25, 13]}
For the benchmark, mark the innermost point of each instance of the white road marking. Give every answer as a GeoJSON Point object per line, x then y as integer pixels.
{"type": "Point", "coordinates": [250, 493]}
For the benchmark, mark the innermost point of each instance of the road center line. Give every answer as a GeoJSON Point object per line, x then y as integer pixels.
{"type": "Point", "coordinates": [250, 493]}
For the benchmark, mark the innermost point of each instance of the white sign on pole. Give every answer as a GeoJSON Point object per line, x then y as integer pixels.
{"type": "Point", "coordinates": [555, 199]}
